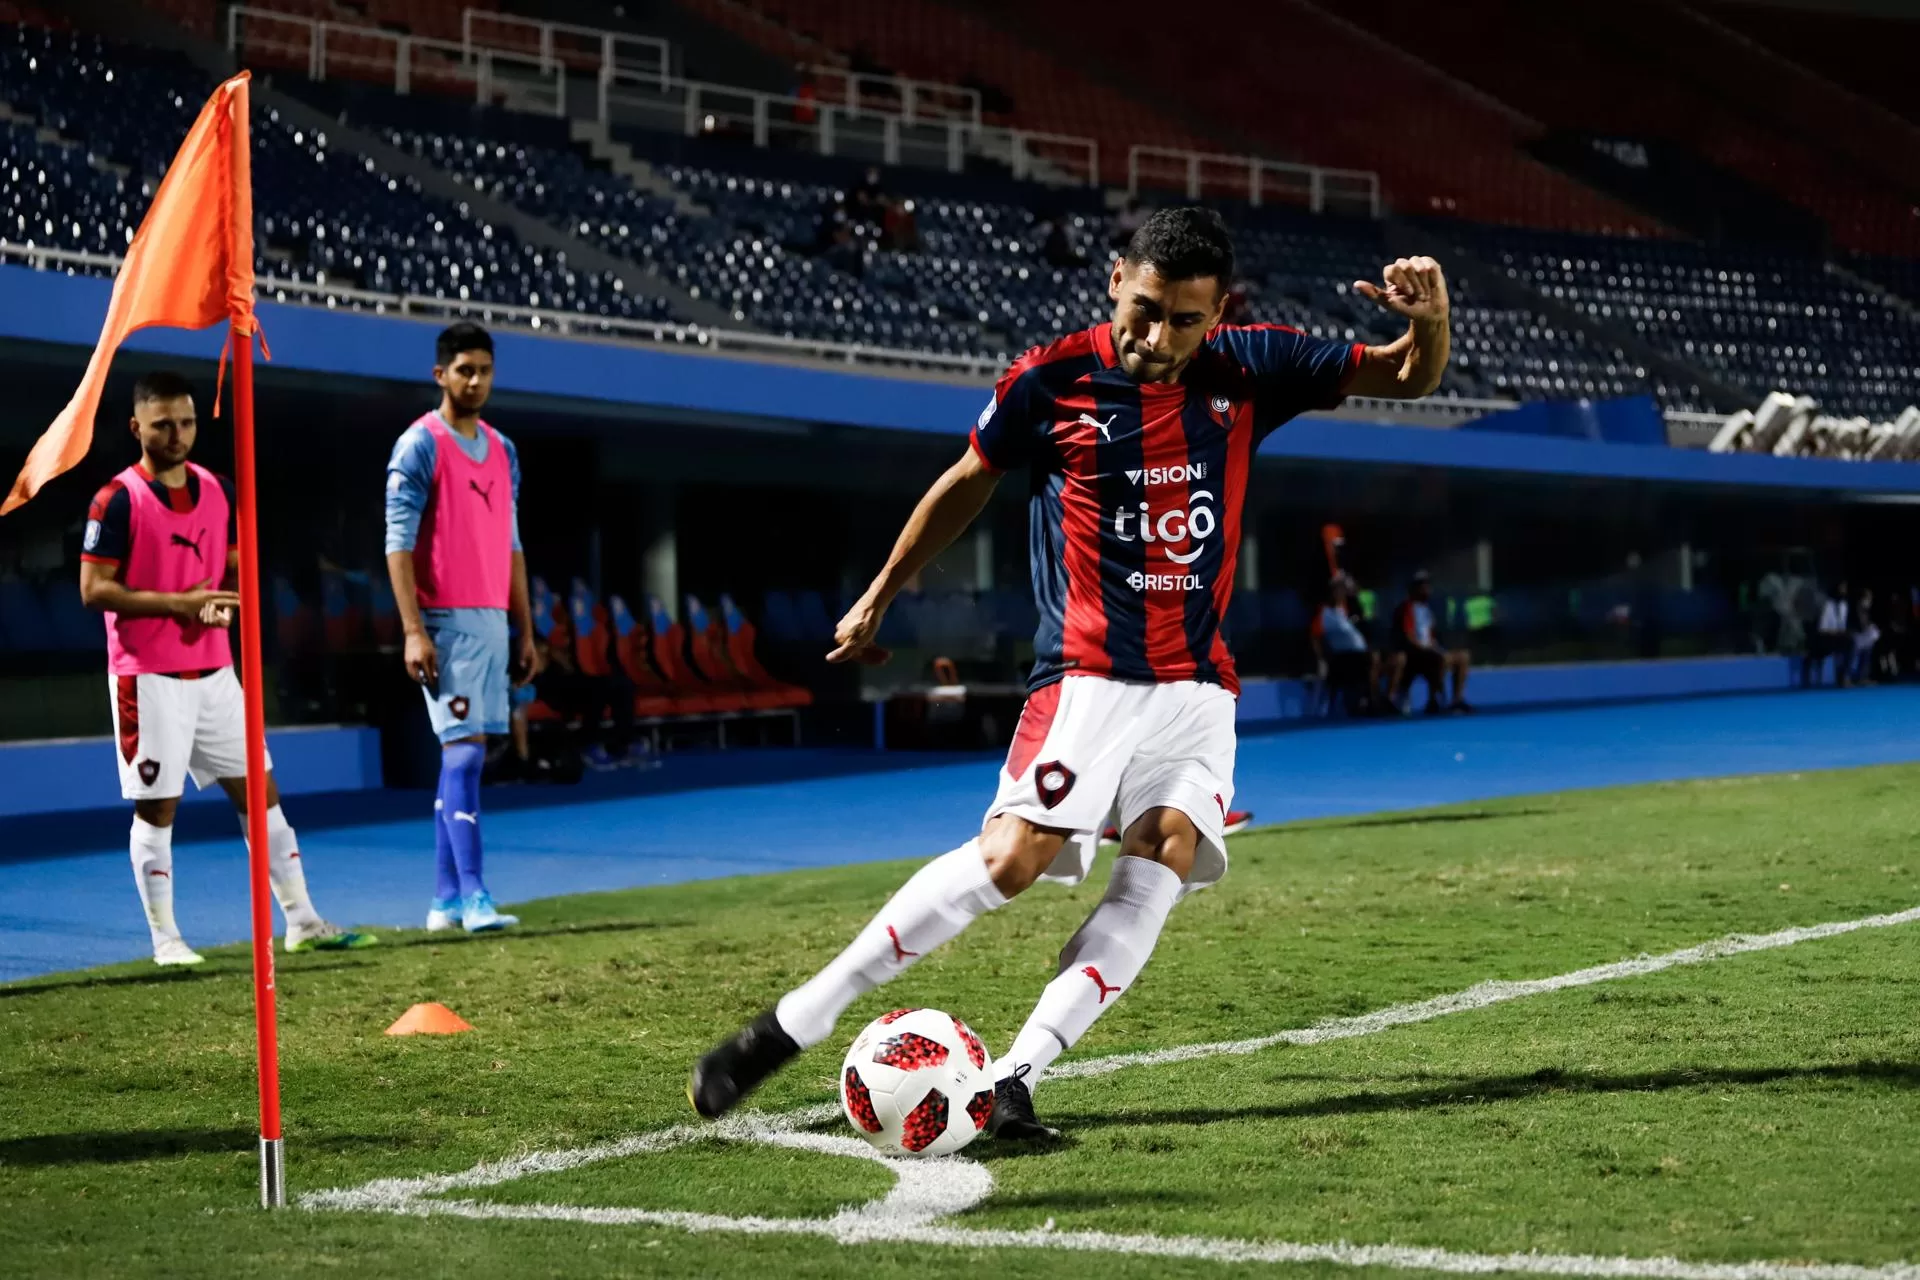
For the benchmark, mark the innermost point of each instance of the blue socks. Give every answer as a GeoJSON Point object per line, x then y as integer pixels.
{"type": "Point", "coordinates": [458, 811]}
{"type": "Point", "coordinates": [446, 884]}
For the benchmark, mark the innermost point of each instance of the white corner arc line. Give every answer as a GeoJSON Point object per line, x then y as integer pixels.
{"type": "Point", "coordinates": [1481, 995]}
{"type": "Point", "coordinates": [929, 1190]}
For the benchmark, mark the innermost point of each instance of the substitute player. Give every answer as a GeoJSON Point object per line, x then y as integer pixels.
{"type": "Point", "coordinates": [1139, 436]}
{"type": "Point", "coordinates": [158, 559]}
{"type": "Point", "coordinates": [453, 553]}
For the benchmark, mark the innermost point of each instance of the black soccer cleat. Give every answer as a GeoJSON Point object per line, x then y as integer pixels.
{"type": "Point", "coordinates": [734, 1068]}
{"type": "Point", "coordinates": [1013, 1119]}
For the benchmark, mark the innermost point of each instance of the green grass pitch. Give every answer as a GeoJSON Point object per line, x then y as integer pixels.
{"type": "Point", "coordinates": [1764, 1107]}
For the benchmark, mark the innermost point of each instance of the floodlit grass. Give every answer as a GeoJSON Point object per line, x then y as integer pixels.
{"type": "Point", "coordinates": [1758, 1107]}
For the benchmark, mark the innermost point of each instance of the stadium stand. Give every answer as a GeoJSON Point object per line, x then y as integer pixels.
{"type": "Point", "coordinates": [982, 274]}
{"type": "Point", "coordinates": [1022, 85]}
{"type": "Point", "coordinates": [1870, 55]}
{"type": "Point", "coordinates": [1754, 318]}
{"type": "Point", "coordinates": [1280, 79]}
{"type": "Point", "coordinates": [1819, 147]}
{"type": "Point", "coordinates": [325, 216]}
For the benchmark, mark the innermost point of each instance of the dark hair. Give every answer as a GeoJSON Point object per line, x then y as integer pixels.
{"type": "Point", "coordinates": [463, 336]}
{"type": "Point", "coordinates": [1184, 244]}
{"type": "Point", "coordinates": [161, 384]}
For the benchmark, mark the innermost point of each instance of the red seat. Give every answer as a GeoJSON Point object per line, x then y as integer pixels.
{"type": "Point", "coordinates": [667, 646]}
{"type": "Point", "coordinates": [747, 663]}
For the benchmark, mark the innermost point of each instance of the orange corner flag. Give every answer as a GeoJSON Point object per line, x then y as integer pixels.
{"type": "Point", "coordinates": [429, 1020]}
{"type": "Point", "coordinates": [190, 265]}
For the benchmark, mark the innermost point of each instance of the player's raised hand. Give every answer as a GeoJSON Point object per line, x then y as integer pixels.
{"type": "Point", "coordinates": [854, 636]}
{"type": "Point", "coordinates": [1414, 287]}
{"type": "Point", "coordinates": [422, 659]}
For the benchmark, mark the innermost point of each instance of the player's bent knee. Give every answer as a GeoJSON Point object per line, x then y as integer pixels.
{"type": "Point", "coordinates": [156, 813]}
{"type": "Point", "coordinates": [1016, 851]}
{"type": "Point", "coordinates": [1165, 836]}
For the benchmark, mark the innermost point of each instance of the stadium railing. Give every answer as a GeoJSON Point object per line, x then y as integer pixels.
{"type": "Point", "coordinates": [1207, 176]}
{"type": "Point", "coordinates": [699, 108]}
{"type": "Point", "coordinates": [564, 45]}
{"type": "Point", "coordinates": [880, 93]}
{"type": "Point", "coordinates": [320, 46]}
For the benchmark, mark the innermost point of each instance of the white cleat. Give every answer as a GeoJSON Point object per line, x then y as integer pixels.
{"type": "Point", "coordinates": [442, 916]}
{"type": "Point", "coordinates": [175, 951]}
{"type": "Point", "coordinates": [479, 915]}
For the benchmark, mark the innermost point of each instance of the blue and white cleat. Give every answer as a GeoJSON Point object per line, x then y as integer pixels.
{"type": "Point", "coordinates": [479, 915]}
{"type": "Point", "coordinates": [443, 915]}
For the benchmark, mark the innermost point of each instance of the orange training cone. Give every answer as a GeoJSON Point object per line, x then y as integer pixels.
{"type": "Point", "coordinates": [429, 1020]}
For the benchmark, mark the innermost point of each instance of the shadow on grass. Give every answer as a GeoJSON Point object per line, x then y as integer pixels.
{"type": "Point", "coordinates": [1430, 819]}
{"type": "Point", "coordinates": [1539, 1084]}
{"type": "Point", "coordinates": [162, 977]}
{"type": "Point", "coordinates": [52, 1149]}
{"type": "Point", "coordinates": [454, 937]}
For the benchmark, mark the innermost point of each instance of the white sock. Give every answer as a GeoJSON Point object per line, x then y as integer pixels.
{"type": "Point", "coordinates": [284, 870]}
{"type": "Point", "coordinates": [1097, 964]}
{"type": "Point", "coordinates": [152, 851]}
{"type": "Point", "coordinates": [941, 899]}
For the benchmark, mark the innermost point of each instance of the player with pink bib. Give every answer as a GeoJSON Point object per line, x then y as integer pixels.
{"type": "Point", "coordinates": [453, 553]}
{"type": "Point", "coordinates": [158, 560]}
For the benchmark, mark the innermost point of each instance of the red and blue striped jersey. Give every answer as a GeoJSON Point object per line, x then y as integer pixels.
{"type": "Point", "coordinates": [1136, 490]}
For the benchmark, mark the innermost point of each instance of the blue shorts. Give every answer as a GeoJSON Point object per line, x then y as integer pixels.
{"type": "Point", "coordinates": [472, 695]}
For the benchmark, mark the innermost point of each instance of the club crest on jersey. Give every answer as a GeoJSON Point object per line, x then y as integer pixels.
{"type": "Point", "coordinates": [149, 771]}
{"type": "Point", "coordinates": [459, 708]}
{"type": "Point", "coordinates": [1052, 781]}
{"type": "Point", "coordinates": [1221, 404]}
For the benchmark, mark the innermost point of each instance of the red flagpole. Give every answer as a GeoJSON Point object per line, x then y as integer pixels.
{"type": "Point", "coordinates": [272, 1167]}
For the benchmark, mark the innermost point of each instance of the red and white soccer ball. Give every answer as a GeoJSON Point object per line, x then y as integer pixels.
{"type": "Point", "coordinates": [917, 1082]}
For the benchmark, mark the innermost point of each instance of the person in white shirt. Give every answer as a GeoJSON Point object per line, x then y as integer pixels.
{"type": "Point", "coordinates": [1831, 640]}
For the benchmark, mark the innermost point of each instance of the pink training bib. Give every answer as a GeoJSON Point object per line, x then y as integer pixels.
{"type": "Point", "coordinates": [170, 550]}
{"type": "Point", "coordinates": [463, 557]}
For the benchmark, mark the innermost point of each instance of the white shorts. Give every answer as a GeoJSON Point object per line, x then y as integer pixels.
{"type": "Point", "coordinates": [166, 728]}
{"type": "Point", "coordinates": [1089, 749]}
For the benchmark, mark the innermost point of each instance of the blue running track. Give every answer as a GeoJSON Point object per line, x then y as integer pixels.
{"type": "Point", "coordinates": [66, 901]}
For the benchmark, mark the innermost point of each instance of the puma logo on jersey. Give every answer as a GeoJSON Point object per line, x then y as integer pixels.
{"type": "Point", "coordinates": [192, 544]}
{"type": "Point", "coordinates": [486, 494]}
{"type": "Point", "coordinates": [1102, 427]}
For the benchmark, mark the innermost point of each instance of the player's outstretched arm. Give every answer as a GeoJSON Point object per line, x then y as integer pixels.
{"type": "Point", "coordinates": [1409, 368]}
{"type": "Point", "coordinates": [101, 588]}
{"type": "Point", "coordinates": [952, 504]}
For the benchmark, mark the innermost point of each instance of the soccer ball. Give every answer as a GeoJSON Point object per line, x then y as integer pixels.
{"type": "Point", "coordinates": [917, 1082]}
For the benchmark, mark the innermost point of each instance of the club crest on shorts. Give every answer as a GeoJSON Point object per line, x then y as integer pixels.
{"type": "Point", "coordinates": [1052, 781]}
{"type": "Point", "coordinates": [459, 708]}
{"type": "Point", "coordinates": [149, 771]}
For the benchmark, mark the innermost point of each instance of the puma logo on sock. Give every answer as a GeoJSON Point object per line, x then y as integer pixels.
{"type": "Point", "coordinates": [1099, 982]}
{"type": "Point", "coordinates": [900, 953]}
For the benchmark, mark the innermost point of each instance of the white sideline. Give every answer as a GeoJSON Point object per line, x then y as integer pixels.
{"type": "Point", "coordinates": [927, 1191]}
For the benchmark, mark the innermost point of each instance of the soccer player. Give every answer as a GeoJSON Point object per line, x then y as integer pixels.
{"type": "Point", "coordinates": [453, 553]}
{"type": "Point", "coordinates": [1138, 435]}
{"type": "Point", "coordinates": [158, 559]}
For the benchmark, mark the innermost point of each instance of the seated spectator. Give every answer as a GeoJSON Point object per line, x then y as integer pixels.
{"type": "Point", "coordinates": [1831, 639]}
{"type": "Point", "coordinates": [1056, 244]}
{"type": "Point", "coordinates": [1865, 638]}
{"type": "Point", "coordinates": [575, 695]}
{"type": "Point", "coordinates": [899, 231]}
{"type": "Point", "coordinates": [1419, 655]}
{"type": "Point", "coordinates": [1349, 670]}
